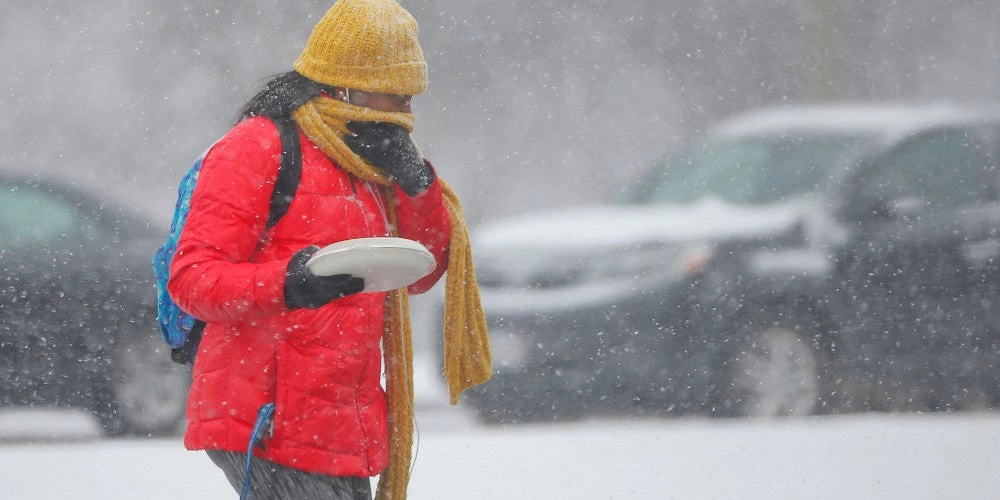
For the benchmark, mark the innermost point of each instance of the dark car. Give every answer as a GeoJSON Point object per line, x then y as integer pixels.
{"type": "Point", "coordinates": [795, 260]}
{"type": "Point", "coordinates": [77, 309]}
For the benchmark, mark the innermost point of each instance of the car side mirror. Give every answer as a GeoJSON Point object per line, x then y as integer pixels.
{"type": "Point", "coordinates": [865, 208]}
{"type": "Point", "coordinates": [862, 208]}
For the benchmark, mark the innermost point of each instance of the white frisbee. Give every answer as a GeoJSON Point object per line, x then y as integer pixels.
{"type": "Point", "coordinates": [385, 263]}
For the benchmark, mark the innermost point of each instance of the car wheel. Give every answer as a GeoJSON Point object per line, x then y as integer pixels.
{"type": "Point", "coordinates": [772, 368]}
{"type": "Point", "coordinates": [144, 392]}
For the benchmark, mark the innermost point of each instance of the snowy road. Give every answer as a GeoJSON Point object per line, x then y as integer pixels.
{"type": "Point", "coordinates": [850, 457]}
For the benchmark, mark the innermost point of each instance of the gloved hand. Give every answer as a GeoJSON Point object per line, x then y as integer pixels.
{"type": "Point", "coordinates": [388, 147]}
{"type": "Point", "coordinates": [305, 289]}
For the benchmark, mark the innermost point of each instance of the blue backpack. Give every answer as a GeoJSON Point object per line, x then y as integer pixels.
{"type": "Point", "coordinates": [181, 330]}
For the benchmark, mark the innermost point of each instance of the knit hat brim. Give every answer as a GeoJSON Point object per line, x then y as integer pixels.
{"type": "Point", "coordinates": [403, 79]}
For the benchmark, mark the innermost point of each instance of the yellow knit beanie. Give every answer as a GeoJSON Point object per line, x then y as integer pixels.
{"type": "Point", "coordinates": [368, 45]}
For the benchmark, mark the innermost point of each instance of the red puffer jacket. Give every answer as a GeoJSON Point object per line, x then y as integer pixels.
{"type": "Point", "coordinates": [321, 367]}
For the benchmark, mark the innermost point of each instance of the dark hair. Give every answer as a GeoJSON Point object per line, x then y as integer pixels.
{"type": "Point", "coordinates": [281, 95]}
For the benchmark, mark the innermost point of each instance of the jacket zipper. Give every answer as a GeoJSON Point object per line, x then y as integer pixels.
{"type": "Point", "coordinates": [381, 206]}
{"type": "Point", "coordinates": [357, 407]}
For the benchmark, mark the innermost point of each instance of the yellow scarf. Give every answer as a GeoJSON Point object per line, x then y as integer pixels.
{"type": "Point", "coordinates": [467, 359]}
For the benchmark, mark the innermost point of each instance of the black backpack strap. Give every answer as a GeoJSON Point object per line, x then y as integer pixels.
{"type": "Point", "coordinates": [290, 171]}
{"type": "Point", "coordinates": [185, 353]}
{"type": "Point", "coordinates": [289, 175]}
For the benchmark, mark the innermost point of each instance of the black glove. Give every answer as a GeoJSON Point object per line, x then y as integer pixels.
{"type": "Point", "coordinates": [305, 289]}
{"type": "Point", "coordinates": [389, 147]}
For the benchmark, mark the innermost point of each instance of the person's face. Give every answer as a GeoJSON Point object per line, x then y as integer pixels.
{"type": "Point", "coordinates": [392, 103]}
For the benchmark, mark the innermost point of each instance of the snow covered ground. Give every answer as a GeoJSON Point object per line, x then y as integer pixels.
{"type": "Point", "coordinates": [58, 454]}
{"type": "Point", "coordinates": [902, 456]}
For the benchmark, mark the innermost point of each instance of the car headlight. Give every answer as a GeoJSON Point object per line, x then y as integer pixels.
{"type": "Point", "coordinates": [532, 270]}
{"type": "Point", "coordinates": [662, 261]}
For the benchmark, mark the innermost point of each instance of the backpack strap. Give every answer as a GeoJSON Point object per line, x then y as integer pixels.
{"type": "Point", "coordinates": [185, 353]}
{"type": "Point", "coordinates": [289, 175]}
{"type": "Point", "coordinates": [289, 172]}
{"type": "Point", "coordinates": [263, 424]}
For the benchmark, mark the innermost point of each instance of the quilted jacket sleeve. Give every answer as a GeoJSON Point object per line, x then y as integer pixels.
{"type": "Point", "coordinates": [425, 218]}
{"type": "Point", "coordinates": [211, 275]}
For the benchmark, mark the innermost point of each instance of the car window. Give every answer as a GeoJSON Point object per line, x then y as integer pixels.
{"type": "Point", "coordinates": [991, 181]}
{"type": "Point", "coordinates": [35, 218]}
{"type": "Point", "coordinates": [943, 169]}
{"type": "Point", "coordinates": [749, 169]}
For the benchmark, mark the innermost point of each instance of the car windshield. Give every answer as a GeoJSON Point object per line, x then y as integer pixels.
{"type": "Point", "coordinates": [748, 169]}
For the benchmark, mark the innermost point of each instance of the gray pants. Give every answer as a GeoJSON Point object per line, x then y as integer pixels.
{"type": "Point", "coordinates": [273, 481]}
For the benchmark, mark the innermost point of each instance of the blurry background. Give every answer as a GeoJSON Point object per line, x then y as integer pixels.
{"type": "Point", "coordinates": [532, 104]}
{"type": "Point", "coordinates": [546, 102]}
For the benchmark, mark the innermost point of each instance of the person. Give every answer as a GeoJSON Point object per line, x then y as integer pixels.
{"type": "Point", "coordinates": [314, 346]}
